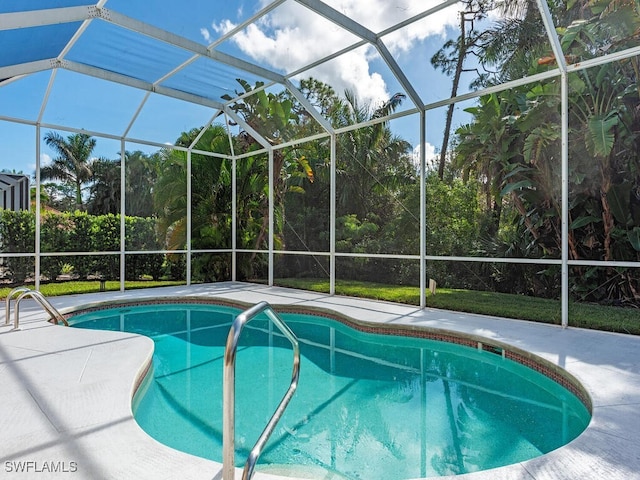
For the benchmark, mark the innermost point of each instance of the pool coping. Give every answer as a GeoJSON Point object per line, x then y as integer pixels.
{"type": "Point", "coordinates": [64, 403]}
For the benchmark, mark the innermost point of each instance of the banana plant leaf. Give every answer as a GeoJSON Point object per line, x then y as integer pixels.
{"type": "Point", "coordinates": [601, 134]}
{"type": "Point", "coordinates": [618, 197]}
{"type": "Point", "coordinates": [634, 238]}
{"type": "Point", "coordinates": [582, 221]}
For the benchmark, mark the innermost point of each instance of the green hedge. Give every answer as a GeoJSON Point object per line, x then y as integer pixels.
{"type": "Point", "coordinates": [78, 232]}
{"type": "Point", "coordinates": [17, 235]}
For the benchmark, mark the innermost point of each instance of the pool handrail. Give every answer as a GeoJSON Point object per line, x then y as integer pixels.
{"type": "Point", "coordinates": [228, 405]}
{"type": "Point", "coordinates": [7, 302]}
{"type": "Point", "coordinates": [39, 298]}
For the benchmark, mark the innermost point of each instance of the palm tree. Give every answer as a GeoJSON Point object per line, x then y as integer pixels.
{"type": "Point", "coordinates": [211, 215]}
{"type": "Point", "coordinates": [73, 166]}
{"type": "Point", "coordinates": [487, 146]}
{"type": "Point", "coordinates": [515, 43]}
{"type": "Point", "coordinates": [211, 190]}
{"type": "Point", "coordinates": [141, 175]}
{"type": "Point", "coordinates": [371, 160]}
{"type": "Point", "coordinates": [276, 118]}
{"type": "Point", "coordinates": [504, 51]}
{"type": "Point", "coordinates": [104, 193]}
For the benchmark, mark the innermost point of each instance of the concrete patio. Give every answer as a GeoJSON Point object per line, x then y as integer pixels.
{"type": "Point", "coordinates": [65, 393]}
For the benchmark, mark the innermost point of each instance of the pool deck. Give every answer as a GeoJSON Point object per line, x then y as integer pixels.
{"type": "Point", "coordinates": [65, 394]}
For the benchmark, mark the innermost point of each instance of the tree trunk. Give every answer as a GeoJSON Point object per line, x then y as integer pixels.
{"type": "Point", "coordinates": [607, 216]}
{"type": "Point", "coordinates": [278, 195]}
{"type": "Point", "coordinates": [79, 204]}
{"type": "Point", "coordinates": [454, 92]}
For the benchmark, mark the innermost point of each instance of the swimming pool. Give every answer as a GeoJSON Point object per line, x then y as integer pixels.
{"type": "Point", "coordinates": [368, 405]}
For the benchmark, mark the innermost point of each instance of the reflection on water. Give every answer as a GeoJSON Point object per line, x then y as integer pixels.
{"type": "Point", "coordinates": [367, 406]}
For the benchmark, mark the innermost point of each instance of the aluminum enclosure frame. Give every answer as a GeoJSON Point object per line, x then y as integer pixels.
{"type": "Point", "coordinates": [85, 15]}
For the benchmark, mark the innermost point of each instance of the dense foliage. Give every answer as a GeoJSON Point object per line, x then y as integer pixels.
{"type": "Point", "coordinates": [513, 148]}
{"type": "Point", "coordinates": [78, 232]}
{"type": "Point", "coordinates": [496, 191]}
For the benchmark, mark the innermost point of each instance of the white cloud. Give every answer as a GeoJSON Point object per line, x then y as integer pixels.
{"type": "Point", "coordinates": [223, 27]}
{"type": "Point", "coordinates": [378, 15]}
{"type": "Point", "coordinates": [432, 157]}
{"type": "Point", "coordinates": [45, 159]}
{"type": "Point", "coordinates": [206, 35]}
{"type": "Point", "coordinates": [351, 72]}
{"type": "Point", "coordinates": [292, 37]}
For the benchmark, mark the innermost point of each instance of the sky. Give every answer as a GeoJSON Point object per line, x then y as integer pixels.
{"type": "Point", "coordinates": [289, 40]}
{"type": "Point", "coordinates": [284, 40]}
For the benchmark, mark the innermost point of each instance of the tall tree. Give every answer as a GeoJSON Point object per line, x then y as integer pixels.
{"type": "Point", "coordinates": [453, 63]}
{"type": "Point", "coordinates": [370, 159]}
{"type": "Point", "coordinates": [141, 174]}
{"type": "Point", "coordinates": [487, 146]}
{"type": "Point", "coordinates": [504, 51]}
{"type": "Point", "coordinates": [273, 117]}
{"type": "Point", "coordinates": [512, 45]}
{"type": "Point", "coordinates": [210, 187]}
{"type": "Point", "coordinates": [73, 165]}
{"type": "Point", "coordinates": [604, 166]}
{"type": "Point", "coordinates": [104, 192]}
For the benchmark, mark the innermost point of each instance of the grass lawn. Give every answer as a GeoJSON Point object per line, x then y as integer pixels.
{"type": "Point", "coordinates": [598, 317]}
{"type": "Point", "coordinates": [585, 315]}
{"type": "Point", "coordinates": [90, 286]}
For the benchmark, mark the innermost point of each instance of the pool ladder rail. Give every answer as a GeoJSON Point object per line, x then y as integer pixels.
{"type": "Point", "coordinates": [24, 292]}
{"type": "Point", "coordinates": [228, 405]}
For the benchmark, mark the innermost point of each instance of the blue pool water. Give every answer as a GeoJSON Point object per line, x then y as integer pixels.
{"type": "Point", "coordinates": [368, 406]}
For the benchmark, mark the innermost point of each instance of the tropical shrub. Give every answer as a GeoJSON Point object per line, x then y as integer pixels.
{"type": "Point", "coordinates": [17, 235]}
{"type": "Point", "coordinates": [78, 232]}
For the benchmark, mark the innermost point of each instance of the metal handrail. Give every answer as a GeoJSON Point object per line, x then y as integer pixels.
{"type": "Point", "coordinates": [229, 391]}
{"type": "Point", "coordinates": [8, 302]}
{"type": "Point", "coordinates": [39, 298]}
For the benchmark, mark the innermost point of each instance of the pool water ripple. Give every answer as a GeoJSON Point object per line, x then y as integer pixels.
{"type": "Point", "coordinates": [368, 406]}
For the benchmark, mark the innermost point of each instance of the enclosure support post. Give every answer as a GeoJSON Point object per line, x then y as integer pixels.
{"type": "Point", "coordinates": [37, 248]}
{"type": "Point", "coordinates": [332, 218]}
{"type": "Point", "coordinates": [271, 213]}
{"type": "Point", "coordinates": [423, 210]}
{"type": "Point", "coordinates": [565, 199]}
{"type": "Point", "coordinates": [543, 7]}
{"type": "Point", "coordinates": [234, 218]}
{"type": "Point", "coordinates": [189, 201]}
{"type": "Point", "coordinates": [234, 202]}
{"type": "Point", "coordinates": [38, 207]}
{"type": "Point", "coordinates": [123, 193]}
